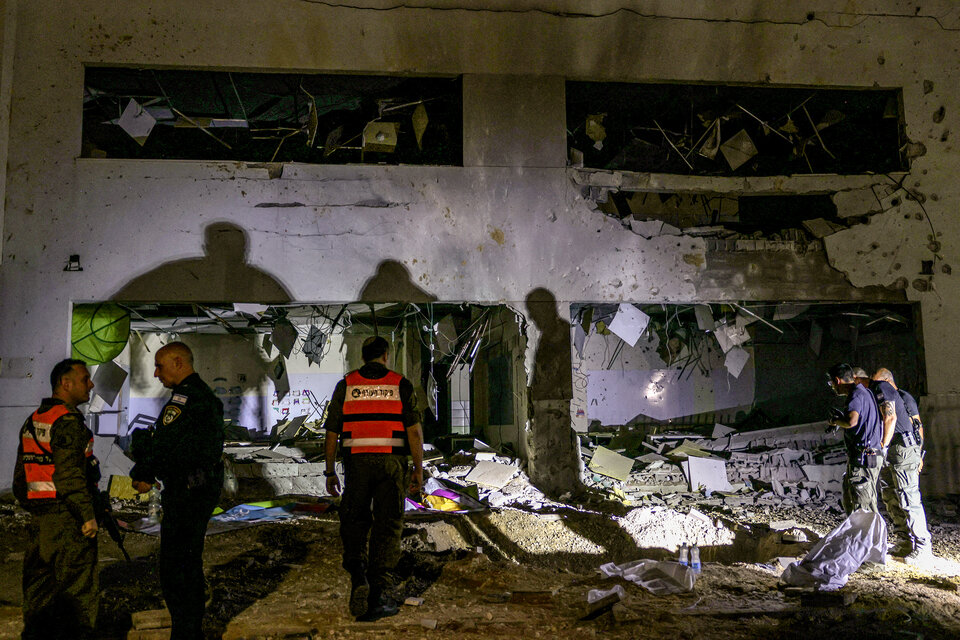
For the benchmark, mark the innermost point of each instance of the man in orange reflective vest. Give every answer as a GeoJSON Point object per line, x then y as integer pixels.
{"type": "Point", "coordinates": [373, 413]}
{"type": "Point", "coordinates": [55, 478]}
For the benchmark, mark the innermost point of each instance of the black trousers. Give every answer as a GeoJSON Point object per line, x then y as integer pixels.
{"type": "Point", "coordinates": [182, 532]}
{"type": "Point", "coordinates": [374, 492]}
{"type": "Point", "coordinates": [60, 588]}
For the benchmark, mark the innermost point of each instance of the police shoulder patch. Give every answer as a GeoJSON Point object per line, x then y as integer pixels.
{"type": "Point", "coordinates": [170, 414]}
{"type": "Point", "coordinates": [178, 399]}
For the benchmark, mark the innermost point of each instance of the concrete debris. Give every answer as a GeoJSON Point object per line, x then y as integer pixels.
{"type": "Point", "coordinates": [789, 466]}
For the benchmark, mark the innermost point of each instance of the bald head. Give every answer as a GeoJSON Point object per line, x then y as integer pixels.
{"type": "Point", "coordinates": [885, 375]}
{"type": "Point", "coordinates": [174, 362]}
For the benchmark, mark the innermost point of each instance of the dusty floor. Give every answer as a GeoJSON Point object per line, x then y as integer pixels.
{"type": "Point", "coordinates": [511, 573]}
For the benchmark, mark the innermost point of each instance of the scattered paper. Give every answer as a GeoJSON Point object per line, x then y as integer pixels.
{"type": "Point", "coordinates": [736, 359]}
{"type": "Point", "coordinates": [629, 323]}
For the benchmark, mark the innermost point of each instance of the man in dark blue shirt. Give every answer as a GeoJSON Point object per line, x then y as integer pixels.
{"type": "Point", "coordinates": [863, 431]}
{"type": "Point", "coordinates": [900, 477]}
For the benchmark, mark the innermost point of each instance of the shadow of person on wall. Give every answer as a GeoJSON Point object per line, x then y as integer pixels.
{"type": "Point", "coordinates": [392, 282]}
{"type": "Point", "coordinates": [553, 451]}
{"type": "Point", "coordinates": [221, 275]}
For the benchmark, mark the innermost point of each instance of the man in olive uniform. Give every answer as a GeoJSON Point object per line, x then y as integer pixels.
{"type": "Point", "coordinates": [900, 477]}
{"type": "Point", "coordinates": [373, 413]}
{"type": "Point", "coordinates": [55, 478]}
{"type": "Point", "coordinates": [184, 450]}
{"type": "Point", "coordinates": [862, 434]}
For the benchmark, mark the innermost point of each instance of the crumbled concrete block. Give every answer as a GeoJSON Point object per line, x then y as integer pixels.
{"type": "Point", "coordinates": [148, 634]}
{"type": "Point", "coordinates": [428, 623]}
{"type": "Point", "coordinates": [413, 601]}
{"type": "Point", "coordinates": [152, 619]}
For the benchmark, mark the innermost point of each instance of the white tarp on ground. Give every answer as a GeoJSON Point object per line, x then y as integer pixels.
{"type": "Point", "coordinates": [862, 537]}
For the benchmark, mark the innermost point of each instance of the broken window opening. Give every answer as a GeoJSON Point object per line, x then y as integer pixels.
{"type": "Point", "coordinates": [275, 367]}
{"type": "Point", "coordinates": [803, 218]}
{"type": "Point", "coordinates": [271, 117]}
{"type": "Point", "coordinates": [734, 130]}
{"type": "Point", "coordinates": [748, 366]}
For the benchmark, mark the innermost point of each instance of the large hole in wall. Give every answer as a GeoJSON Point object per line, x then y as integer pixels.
{"type": "Point", "coordinates": [271, 117]}
{"type": "Point", "coordinates": [272, 364]}
{"type": "Point", "coordinates": [754, 365]}
{"type": "Point", "coordinates": [733, 130]}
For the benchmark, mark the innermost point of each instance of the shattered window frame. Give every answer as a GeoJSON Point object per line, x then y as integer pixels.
{"type": "Point", "coordinates": [763, 131]}
{"type": "Point", "coordinates": [179, 114]}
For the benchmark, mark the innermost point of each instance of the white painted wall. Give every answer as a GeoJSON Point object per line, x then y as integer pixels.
{"type": "Point", "coordinates": [125, 218]}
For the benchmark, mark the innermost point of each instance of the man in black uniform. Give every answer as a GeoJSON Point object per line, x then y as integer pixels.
{"type": "Point", "coordinates": [184, 450]}
{"type": "Point", "coordinates": [863, 432]}
{"type": "Point", "coordinates": [900, 477]}
{"type": "Point", "coordinates": [55, 478]}
{"type": "Point", "coordinates": [373, 413]}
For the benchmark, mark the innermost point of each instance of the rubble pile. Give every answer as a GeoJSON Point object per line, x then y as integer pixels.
{"type": "Point", "coordinates": [785, 466]}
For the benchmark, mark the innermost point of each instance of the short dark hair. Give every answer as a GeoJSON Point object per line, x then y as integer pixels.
{"type": "Point", "coordinates": [373, 348]}
{"type": "Point", "coordinates": [61, 369]}
{"type": "Point", "coordinates": [842, 371]}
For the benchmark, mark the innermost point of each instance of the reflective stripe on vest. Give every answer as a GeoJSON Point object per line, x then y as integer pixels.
{"type": "Point", "coordinates": [373, 414]}
{"type": "Point", "coordinates": [38, 466]}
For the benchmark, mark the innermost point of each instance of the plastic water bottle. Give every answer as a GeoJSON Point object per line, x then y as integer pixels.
{"type": "Point", "coordinates": [153, 507]}
{"type": "Point", "coordinates": [695, 558]}
{"type": "Point", "coordinates": [684, 554]}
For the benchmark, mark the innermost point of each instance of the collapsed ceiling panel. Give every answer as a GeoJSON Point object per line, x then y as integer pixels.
{"type": "Point", "coordinates": [733, 130]}
{"type": "Point", "coordinates": [271, 117]}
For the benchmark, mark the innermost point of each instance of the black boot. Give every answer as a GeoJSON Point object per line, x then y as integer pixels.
{"type": "Point", "coordinates": [359, 594]}
{"type": "Point", "coordinates": [381, 606]}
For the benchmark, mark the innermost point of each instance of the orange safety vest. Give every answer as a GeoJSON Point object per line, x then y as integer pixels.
{"type": "Point", "coordinates": [38, 466]}
{"type": "Point", "coordinates": [373, 415]}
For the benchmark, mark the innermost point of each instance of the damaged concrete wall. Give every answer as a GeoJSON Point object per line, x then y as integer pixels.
{"type": "Point", "coordinates": [510, 221]}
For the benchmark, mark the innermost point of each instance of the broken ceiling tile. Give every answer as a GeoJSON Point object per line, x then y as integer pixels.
{"type": "Point", "coordinates": [744, 319]}
{"type": "Point", "coordinates": [380, 137]}
{"type": "Point", "coordinates": [137, 122]}
{"type": "Point", "coordinates": [492, 474]}
{"type": "Point", "coordinates": [820, 227]}
{"type": "Point", "coordinates": [711, 145]}
{"type": "Point", "coordinates": [788, 310]}
{"type": "Point", "coordinates": [576, 158]}
{"type": "Point", "coordinates": [267, 344]}
{"type": "Point", "coordinates": [108, 380]}
{"type": "Point", "coordinates": [738, 149]}
{"type": "Point", "coordinates": [332, 142]}
{"type": "Point", "coordinates": [707, 473]}
{"type": "Point", "coordinates": [735, 361]}
{"type": "Point", "coordinates": [730, 336]}
{"type": "Point", "coordinates": [705, 319]}
{"type": "Point", "coordinates": [629, 323]}
{"type": "Point", "coordinates": [816, 337]}
{"type": "Point", "coordinates": [611, 464]}
{"type": "Point", "coordinates": [313, 344]}
{"type": "Point", "coordinates": [250, 309]}
{"type": "Point", "coordinates": [720, 431]}
{"type": "Point", "coordinates": [277, 372]}
{"type": "Point", "coordinates": [687, 449]}
{"type": "Point", "coordinates": [420, 121]}
{"type": "Point", "coordinates": [856, 202]}
{"type": "Point", "coordinates": [646, 228]}
{"type": "Point", "coordinates": [284, 336]}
